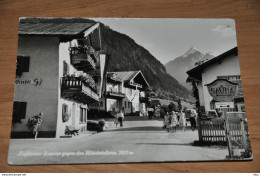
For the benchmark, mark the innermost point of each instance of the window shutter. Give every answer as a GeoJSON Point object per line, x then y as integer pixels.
{"type": "Point", "coordinates": [22, 65]}
{"type": "Point", "coordinates": [19, 111]}
{"type": "Point", "coordinates": [65, 68]}
{"type": "Point", "coordinates": [64, 109]}
{"type": "Point", "coordinates": [25, 64]}
{"type": "Point", "coordinates": [22, 109]}
{"type": "Point", "coordinates": [15, 112]}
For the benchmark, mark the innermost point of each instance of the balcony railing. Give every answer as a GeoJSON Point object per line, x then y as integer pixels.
{"type": "Point", "coordinates": [133, 84]}
{"type": "Point", "coordinates": [79, 90]}
{"type": "Point", "coordinates": [144, 99]}
{"type": "Point", "coordinates": [83, 58]}
{"type": "Point", "coordinates": [115, 95]}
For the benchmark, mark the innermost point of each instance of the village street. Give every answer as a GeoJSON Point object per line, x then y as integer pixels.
{"type": "Point", "coordinates": [140, 140]}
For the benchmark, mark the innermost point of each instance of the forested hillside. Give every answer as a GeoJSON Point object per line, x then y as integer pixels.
{"type": "Point", "coordinates": [127, 55]}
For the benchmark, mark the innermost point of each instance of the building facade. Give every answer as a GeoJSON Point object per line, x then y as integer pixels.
{"type": "Point", "coordinates": [126, 91]}
{"type": "Point", "coordinates": [59, 73]}
{"type": "Point", "coordinates": [225, 66]}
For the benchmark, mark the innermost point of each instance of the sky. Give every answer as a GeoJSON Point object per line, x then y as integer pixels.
{"type": "Point", "coordinates": [169, 38]}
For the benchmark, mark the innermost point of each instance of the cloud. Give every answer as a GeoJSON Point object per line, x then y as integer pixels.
{"type": "Point", "coordinates": [225, 31]}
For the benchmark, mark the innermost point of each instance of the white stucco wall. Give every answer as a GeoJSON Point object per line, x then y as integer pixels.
{"type": "Point", "coordinates": [228, 66]}
{"type": "Point", "coordinates": [131, 95]}
{"type": "Point", "coordinates": [201, 95]}
{"type": "Point", "coordinates": [43, 53]}
{"type": "Point", "coordinates": [73, 107]}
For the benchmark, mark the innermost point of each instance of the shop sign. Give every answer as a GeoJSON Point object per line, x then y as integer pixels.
{"type": "Point", "coordinates": [222, 90]}
{"type": "Point", "coordinates": [224, 105]}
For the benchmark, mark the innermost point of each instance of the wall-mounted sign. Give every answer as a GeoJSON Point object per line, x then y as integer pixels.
{"type": "Point", "coordinates": [225, 104]}
{"type": "Point", "coordinates": [222, 90]}
{"type": "Point", "coordinates": [35, 82]}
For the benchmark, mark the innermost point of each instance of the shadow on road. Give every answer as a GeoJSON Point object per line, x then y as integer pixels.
{"type": "Point", "coordinates": [187, 144]}
{"type": "Point", "coordinates": [143, 128]}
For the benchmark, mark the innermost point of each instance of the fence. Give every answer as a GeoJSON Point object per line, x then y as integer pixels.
{"type": "Point", "coordinates": [237, 135]}
{"type": "Point", "coordinates": [213, 130]}
{"type": "Point", "coordinates": [232, 129]}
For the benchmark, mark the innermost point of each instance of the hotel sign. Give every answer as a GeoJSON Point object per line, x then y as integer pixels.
{"type": "Point", "coordinates": [35, 82]}
{"type": "Point", "coordinates": [222, 90]}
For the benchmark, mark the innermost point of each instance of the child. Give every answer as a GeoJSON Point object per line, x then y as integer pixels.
{"type": "Point", "coordinates": [182, 120]}
{"type": "Point", "coordinates": [116, 120]}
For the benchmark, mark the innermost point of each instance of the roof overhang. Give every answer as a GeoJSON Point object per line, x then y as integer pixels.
{"type": "Point", "coordinates": [139, 72]}
{"type": "Point", "coordinates": [196, 72]}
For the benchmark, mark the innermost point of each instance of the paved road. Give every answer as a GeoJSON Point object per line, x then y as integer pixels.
{"type": "Point", "coordinates": [140, 140]}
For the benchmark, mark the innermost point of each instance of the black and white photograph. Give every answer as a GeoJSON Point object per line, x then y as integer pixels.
{"type": "Point", "coordinates": [127, 90]}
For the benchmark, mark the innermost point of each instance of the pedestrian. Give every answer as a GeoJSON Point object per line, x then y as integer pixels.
{"type": "Point", "coordinates": [116, 122]}
{"type": "Point", "coordinates": [193, 116]}
{"type": "Point", "coordinates": [167, 121]}
{"type": "Point", "coordinates": [120, 117]}
{"type": "Point", "coordinates": [162, 113]}
{"type": "Point", "coordinates": [150, 112]}
{"type": "Point", "coordinates": [174, 119]}
{"type": "Point", "coordinates": [182, 120]}
{"type": "Point", "coordinates": [157, 112]}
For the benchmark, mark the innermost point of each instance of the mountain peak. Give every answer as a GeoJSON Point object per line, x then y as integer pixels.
{"type": "Point", "coordinates": [192, 50]}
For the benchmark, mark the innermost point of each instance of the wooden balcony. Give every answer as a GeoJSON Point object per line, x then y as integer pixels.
{"type": "Point", "coordinates": [82, 59]}
{"type": "Point", "coordinates": [133, 85]}
{"type": "Point", "coordinates": [144, 99]}
{"type": "Point", "coordinates": [115, 95]}
{"type": "Point", "coordinates": [74, 89]}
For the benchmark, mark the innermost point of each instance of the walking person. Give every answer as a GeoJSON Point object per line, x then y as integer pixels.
{"type": "Point", "coordinates": [167, 121]}
{"type": "Point", "coordinates": [193, 116]}
{"type": "Point", "coordinates": [120, 117]}
{"type": "Point", "coordinates": [182, 120]}
{"type": "Point", "coordinates": [150, 112]}
{"type": "Point", "coordinates": [174, 119]}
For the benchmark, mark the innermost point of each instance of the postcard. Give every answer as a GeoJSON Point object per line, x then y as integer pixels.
{"type": "Point", "coordinates": [126, 90]}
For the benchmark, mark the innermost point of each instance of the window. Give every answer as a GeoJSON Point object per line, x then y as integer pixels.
{"type": "Point", "coordinates": [83, 115]}
{"type": "Point", "coordinates": [125, 105]}
{"type": "Point", "coordinates": [65, 68]}
{"type": "Point", "coordinates": [101, 104]}
{"type": "Point", "coordinates": [19, 111]}
{"type": "Point", "coordinates": [22, 65]}
{"type": "Point", "coordinates": [65, 113]}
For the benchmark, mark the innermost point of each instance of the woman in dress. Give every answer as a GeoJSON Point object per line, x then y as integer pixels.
{"type": "Point", "coordinates": [174, 121]}
{"type": "Point", "coordinates": [182, 120]}
{"type": "Point", "coordinates": [167, 121]}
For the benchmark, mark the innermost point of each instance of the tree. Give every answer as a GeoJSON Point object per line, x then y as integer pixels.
{"type": "Point", "coordinates": [195, 93]}
{"type": "Point", "coordinates": [179, 104]}
{"type": "Point", "coordinates": [171, 107]}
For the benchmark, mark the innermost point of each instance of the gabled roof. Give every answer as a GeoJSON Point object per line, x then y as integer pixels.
{"type": "Point", "coordinates": [126, 76]}
{"type": "Point", "coordinates": [53, 28]}
{"type": "Point", "coordinates": [195, 73]}
{"type": "Point", "coordinates": [130, 75]}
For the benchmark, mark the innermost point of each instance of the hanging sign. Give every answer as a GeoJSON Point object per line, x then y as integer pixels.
{"type": "Point", "coordinates": [222, 90]}
{"type": "Point", "coordinates": [225, 104]}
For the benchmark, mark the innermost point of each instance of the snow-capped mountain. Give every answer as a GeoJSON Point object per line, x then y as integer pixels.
{"type": "Point", "coordinates": [180, 65]}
